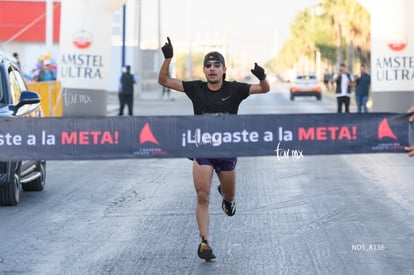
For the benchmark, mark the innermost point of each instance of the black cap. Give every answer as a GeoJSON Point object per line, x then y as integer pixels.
{"type": "Point", "coordinates": [216, 56]}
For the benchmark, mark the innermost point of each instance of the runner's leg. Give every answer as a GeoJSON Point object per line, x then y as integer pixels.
{"type": "Point", "coordinates": [228, 184]}
{"type": "Point", "coordinates": [202, 176]}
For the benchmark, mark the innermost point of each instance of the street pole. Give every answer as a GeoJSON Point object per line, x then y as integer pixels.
{"type": "Point", "coordinates": [123, 35]}
{"type": "Point", "coordinates": [49, 26]}
{"type": "Point", "coordinates": [138, 56]}
{"type": "Point", "coordinates": [159, 22]}
{"type": "Point", "coordinates": [159, 56]}
{"type": "Point", "coordinates": [189, 30]}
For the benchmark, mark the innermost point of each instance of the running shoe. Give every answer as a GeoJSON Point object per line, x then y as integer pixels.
{"type": "Point", "coordinates": [205, 252]}
{"type": "Point", "coordinates": [229, 208]}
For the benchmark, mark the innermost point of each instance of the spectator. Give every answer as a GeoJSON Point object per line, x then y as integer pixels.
{"type": "Point", "coordinates": [126, 93]}
{"type": "Point", "coordinates": [362, 85]}
{"type": "Point", "coordinates": [16, 56]}
{"type": "Point", "coordinates": [326, 79]}
{"type": "Point", "coordinates": [46, 73]}
{"type": "Point", "coordinates": [343, 81]}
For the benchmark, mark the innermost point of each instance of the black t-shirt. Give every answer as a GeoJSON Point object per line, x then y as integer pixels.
{"type": "Point", "coordinates": [127, 82]}
{"type": "Point", "coordinates": [225, 100]}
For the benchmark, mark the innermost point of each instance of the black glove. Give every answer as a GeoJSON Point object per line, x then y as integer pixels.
{"type": "Point", "coordinates": [167, 49]}
{"type": "Point", "coordinates": [258, 72]}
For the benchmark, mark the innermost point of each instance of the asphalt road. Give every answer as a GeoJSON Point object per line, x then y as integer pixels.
{"type": "Point", "coordinates": [338, 214]}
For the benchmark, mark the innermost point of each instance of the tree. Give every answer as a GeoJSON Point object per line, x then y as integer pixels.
{"type": "Point", "coordinates": [351, 24]}
{"type": "Point", "coordinates": [338, 29]}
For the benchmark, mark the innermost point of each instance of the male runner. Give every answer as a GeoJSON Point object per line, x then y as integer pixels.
{"type": "Point", "coordinates": [214, 96]}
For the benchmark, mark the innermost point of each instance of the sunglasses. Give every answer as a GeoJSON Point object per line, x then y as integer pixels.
{"type": "Point", "coordinates": [215, 64]}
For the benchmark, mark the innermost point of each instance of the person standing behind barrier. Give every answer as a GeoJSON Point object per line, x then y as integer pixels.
{"type": "Point", "coordinates": [343, 81]}
{"type": "Point", "coordinates": [16, 56]}
{"type": "Point", "coordinates": [326, 79]}
{"type": "Point", "coordinates": [126, 95]}
{"type": "Point", "coordinates": [410, 148]}
{"type": "Point", "coordinates": [165, 92]}
{"type": "Point", "coordinates": [46, 73]}
{"type": "Point", "coordinates": [362, 85]}
{"type": "Point", "coordinates": [213, 96]}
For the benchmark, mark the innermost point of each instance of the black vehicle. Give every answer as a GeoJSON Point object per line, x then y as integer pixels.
{"type": "Point", "coordinates": [17, 101]}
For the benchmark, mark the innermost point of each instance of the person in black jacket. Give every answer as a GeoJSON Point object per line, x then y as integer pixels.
{"type": "Point", "coordinates": [126, 93]}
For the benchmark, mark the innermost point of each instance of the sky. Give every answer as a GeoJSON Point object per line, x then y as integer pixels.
{"type": "Point", "coordinates": [251, 31]}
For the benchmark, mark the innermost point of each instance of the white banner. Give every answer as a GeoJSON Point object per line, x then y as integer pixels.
{"type": "Point", "coordinates": [392, 51]}
{"type": "Point", "coordinates": [85, 43]}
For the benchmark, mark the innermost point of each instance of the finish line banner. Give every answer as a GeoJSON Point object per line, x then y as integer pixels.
{"type": "Point", "coordinates": [287, 135]}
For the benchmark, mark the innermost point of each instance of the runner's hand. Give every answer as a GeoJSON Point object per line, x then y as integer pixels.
{"type": "Point", "coordinates": [410, 150]}
{"type": "Point", "coordinates": [167, 49]}
{"type": "Point", "coordinates": [259, 72]}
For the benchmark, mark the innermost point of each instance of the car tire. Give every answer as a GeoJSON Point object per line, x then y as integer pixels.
{"type": "Point", "coordinates": [319, 97]}
{"type": "Point", "coordinates": [39, 183]}
{"type": "Point", "coordinates": [10, 192]}
{"type": "Point", "coordinates": [292, 97]}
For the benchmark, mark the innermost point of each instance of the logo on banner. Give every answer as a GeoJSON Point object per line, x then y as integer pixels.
{"type": "Point", "coordinates": [82, 39]}
{"type": "Point", "coordinates": [397, 42]}
{"type": "Point", "coordinates": [146, 135]}
{"type": "Point", "coordinates": [152, 146]}
{"type": "Point", "coordinates": [385, 132]}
